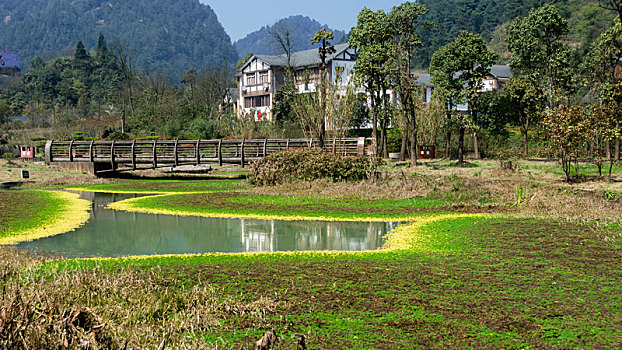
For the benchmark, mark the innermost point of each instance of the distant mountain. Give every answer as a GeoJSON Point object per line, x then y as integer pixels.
{"type": "Point", "coordinates": [301, 31]}
{"type": "Point", "coordinates": [171, 35]}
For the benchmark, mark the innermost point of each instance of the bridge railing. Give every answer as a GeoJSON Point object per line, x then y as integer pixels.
{"type": "Point", "coordinates": [162, 153]}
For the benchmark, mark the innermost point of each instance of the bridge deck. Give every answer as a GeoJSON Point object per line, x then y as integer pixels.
{"type": "Point", "coordinates": [154, 154]}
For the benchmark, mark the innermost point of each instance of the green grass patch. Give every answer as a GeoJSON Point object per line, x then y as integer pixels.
{"type": "Point", "coordinates": [167, 186]}
{"type": "Point", "coordinates": [244, 204]}
{"type": "Point", "coordinates": [25, 210]}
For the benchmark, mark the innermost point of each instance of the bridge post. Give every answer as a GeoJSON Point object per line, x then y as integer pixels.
{"type": "Point", "coordinates": [242, 153]}
{"type": "Point", "coordinates": [112, 162]}
{"type": "Point", "coordinates": [134, 155]}
{"type": "Point", "coordinates": [265, 144]}
{"type": "Point", "coordinates": [176, 155]}
{"type": "Point", "coordinates": [48, 152]}
{"type": "Point", "coordinates": [196, 152]}
{"type": "Point", "coordinates": [91, 156]}
{"type": "Point", "coordinates": [360, 147]}
{"type": "Point", "coordinates": [219, 152]}
{"type": "Point", "coordinates": [70, 153]}
{"type": "Point", "coordinates": [334, 145]}
{"type": "Point", "coordinates": [155, 159]}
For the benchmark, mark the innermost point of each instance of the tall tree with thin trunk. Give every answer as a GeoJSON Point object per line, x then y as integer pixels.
{"type": "Point", "coordinates": [529, 101]}
{"type": "Point", "coordinates": [404, 20]}
{"type": "Point", "coordinates": [468, 60]}
{"type": "Point", "coordinates": [373, 37]}
{"type": "Point", "coordinates": [323, 37]}
{"type": "Point", "coordinates": [539, 53]}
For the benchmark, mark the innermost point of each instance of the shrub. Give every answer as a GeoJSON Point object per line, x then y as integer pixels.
{"type": "Point", "coordinates": [307, 164]}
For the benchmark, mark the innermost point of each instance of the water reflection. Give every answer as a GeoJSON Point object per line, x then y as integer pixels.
{"type": "Point", "coordinates": [110, 234]}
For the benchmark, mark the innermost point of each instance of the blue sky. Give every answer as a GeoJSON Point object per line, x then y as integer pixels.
{"type": "Point", "coordinates": [241, 17]}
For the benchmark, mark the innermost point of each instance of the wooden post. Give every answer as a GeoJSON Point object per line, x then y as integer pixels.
{"type": "Point", "coordinates": [334, 145]}
{"type": "Point", "coordinates": [175, 153]}
{"type": "Point", "coordinates": [155, 158]}
{"type": "Point", "coordinates": [134, 155]}
{"type": "Point", "coordinates": [197, 152]}
{"type": "Point", "coordinates": [91, 155]}
{"type": "Point", "coordinates": [242, 153]}
{"type": "Point", "coordinates": [114, 166]}
{"type": "Point", "coordinates": [265, 143]}
{"type": "Point", "coordinates": [287, 144]}
{"type": "Point", "coordinates": [311, 142]}
{"type": "Point", "coordinates": [70, 153]}
{"type": "Point", "coordinates": [219, 152]}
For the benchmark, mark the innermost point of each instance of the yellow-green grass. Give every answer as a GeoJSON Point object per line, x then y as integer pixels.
{"type": "Point", "coordinates": [30, 215]}
{"type": "Point", "coordinates": [286, 208]}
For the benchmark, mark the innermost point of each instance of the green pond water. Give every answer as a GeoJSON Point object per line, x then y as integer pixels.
{"type": "Point", "coordinates": [111, 233]}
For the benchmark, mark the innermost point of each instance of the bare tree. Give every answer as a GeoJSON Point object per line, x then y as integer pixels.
{"type": "Point", "coordinates": [282, 37]}
{"type": "Point", "coordinates": [124, 61]}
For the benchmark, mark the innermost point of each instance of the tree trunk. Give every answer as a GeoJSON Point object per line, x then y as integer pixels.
{"type": "Point", "coordinates": [608, 149]}
{"type": "Point", "coordinates": [413, 146]}
{"type": "Point", "coordinates": [617, 155]}
{"type": "Point", "coordinates": [448, 136]}
{"type": "Point", "coordinates": [405, 133]}
{"type": "Point", "coordinates": [475, 145]}
{"type": "Point", "coordinates": [461, 145]}
{"type": "Point", "coordinates": [447, 145]}
{"type": "Point", "coordinates": [374, 130]}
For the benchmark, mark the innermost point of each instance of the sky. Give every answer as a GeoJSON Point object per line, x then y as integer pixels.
{"type": "Point", "coordinates": [242, 17]}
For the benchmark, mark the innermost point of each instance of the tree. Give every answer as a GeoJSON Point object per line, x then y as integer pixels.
{"type": "Point", "coordinates": [5, 112]}
{"type": "Point", "coordinates": [568, 131]}
{"type": "Point", "coordinates": [466, 62]}
{"type": "Point", "coordinates": [529, 102]}
{"type": "Point", "coordinates": [372, 36]}
{"type": "Point", "coordinates": [613, 5]}
{"type": "Point", "coordinates": [611, 102]}
{"type": "Point", "coordinates": [447, 87]}
{"type": "Point", "coordinates": [124, 61]}
{"type": "Point", "coordinates": [538, 51]}
{"type": "Point", "coordinates": [404, 20]}
{"type": "Point", "coordinates": [323, 36]}
{"type": "Point", "coordinates": [189, 80]}
{"type": "Point", "coordinates": [281, 35]}
{"type": "Point", "coordinates": [602, 64]}
{"type": "Point", "coordinates": [604, 56]}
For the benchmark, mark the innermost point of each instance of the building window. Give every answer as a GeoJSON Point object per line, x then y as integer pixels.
{"type": "Point", "coordinates": [251, 79]}
{"type": "Point", "coordinates": [257, 101]}
{"type": "Point", "coordinates": [263, 77]}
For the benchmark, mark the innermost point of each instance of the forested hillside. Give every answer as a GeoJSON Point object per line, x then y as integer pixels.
{"type": "Point", "coordinates": [171, 35]}
{"type": "Point", "coordinates": [301, 29]}
{"type": "Point", "coordinates": [489, 18]}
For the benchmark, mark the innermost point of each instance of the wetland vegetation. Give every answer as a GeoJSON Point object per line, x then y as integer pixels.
{"type": "Point", "coordinates": [477, 267]}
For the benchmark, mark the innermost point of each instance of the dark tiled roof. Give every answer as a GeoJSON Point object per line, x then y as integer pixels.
{"type": "Point", "coordinates": [501, 72]}
{"type": "Point", "coordinates": [424, 79]}
{"type": "Point", "coordinates": [305, 58]}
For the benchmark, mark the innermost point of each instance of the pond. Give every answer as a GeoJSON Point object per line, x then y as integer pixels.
{"type": "Point", "coordinates": [110, 233]}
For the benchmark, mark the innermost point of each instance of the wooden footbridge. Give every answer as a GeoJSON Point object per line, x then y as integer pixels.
{"type": "Point", "coordinates": [115, 156]}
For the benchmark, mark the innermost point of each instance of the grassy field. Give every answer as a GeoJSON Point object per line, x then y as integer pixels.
{"type": "Point", "coordinates": [493, 259]}
{"type": "Point", "coordinates": [28, 215]}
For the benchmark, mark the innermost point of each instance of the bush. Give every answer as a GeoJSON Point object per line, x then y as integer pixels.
{"type": "Point", "coordinates": [307, 164]}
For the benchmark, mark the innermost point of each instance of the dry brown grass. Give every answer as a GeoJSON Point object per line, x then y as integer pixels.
{"type": "Point", "coordinates": [97, 309]}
